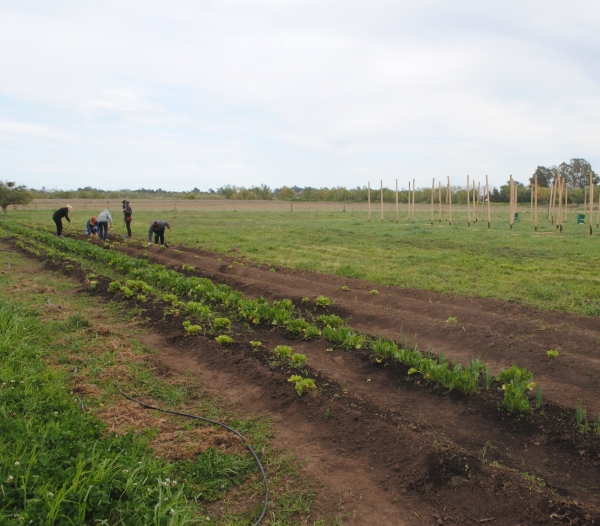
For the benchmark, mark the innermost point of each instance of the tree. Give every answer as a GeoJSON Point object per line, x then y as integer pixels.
{"type": "Point", "coordinates": [285, 193]}
{"type": "Point", "coordinates": [545, 176]}
{"type": "Point", "coordinates": [578, 173]}
{"type": "Point", "coordinates": [10, 194]}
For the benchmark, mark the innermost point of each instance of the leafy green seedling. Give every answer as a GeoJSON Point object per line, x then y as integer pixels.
{"type": "Point", "coordinates": [283, 351]}
{"type": "Point", "coordinates": [114, 286]}
{"type": "Point", "coordinates": [374, 292]}
{"type": "Point", "coordinates": [451, 319]}
{"type": "Point", "coordinates": [538, 397]}
{"type": "Point", "coordinates": [197, 309]}
{"type": "Point", "coordinates": [299, 359]}
{"type": "Point", "coordinates": [580, 414]}
{"type": "Point", "coordinates": [552, 353]}
{"type": "Point", "coordinates": [331, 320]}
{"type": "Point", "coordinates": [272, 270]}
{"type": "Point", "coordinates": [302, 385]}
{"type": "Point", "coordinates": [141, 298]}
{"type": "Point", "coordinates": [170, 298]}
{"type": "Point", "coordinates": [222, 324]}
{"type": "Point", "coordinates": [345, 288]}
{"type": "Point", "coordinates": [127, 292]}
{"type": "Point", "coordinates": [305, 300]}
{"type": "Point", "coordinates": [322, 301]}
{"type": "Point", "coordinates": [312, 331]}
{"type": "Point", "coordinates": [189, 268]}
{"type": "Point", "coordinates": [223, 339]}
{"type": "Point", "coordinates": [162, 247]}
{"type": "Point", "coordinates": [93, 284]}
{"type": "Point", "coordinates": [69, 267]}
{"type": "Point", "coordinates": [256, 344]}
{"type": "Point", "coordinates": [192, 329]}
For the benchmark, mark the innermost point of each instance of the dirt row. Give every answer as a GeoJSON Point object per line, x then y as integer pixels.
{"type": "Point", "coordinates": [387, 450]}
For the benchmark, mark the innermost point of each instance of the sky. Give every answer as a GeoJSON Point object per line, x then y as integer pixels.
{"type": "Point", "coordinates": [185, 94]}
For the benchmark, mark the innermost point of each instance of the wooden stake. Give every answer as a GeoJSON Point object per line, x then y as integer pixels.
{"type": "Point", "coordinates": [531, 208]}
{"type": "Point", "coordinates": [432, 192]}
{"type": "Point", "coordinates": [440, 201]}
{"type": "Point", "coordinates": [449, 202]}
{"type": "Point", "coordinates": [516, 191]}
{"type": "Point", "coordinates": [598, 213]}
{"type": "Point", "coordinates": [396, 200]}
{"type": "Point", "coordinates": [468, 206]}
{"type": "Point", "coordinates": [369, 200]}
{"type": "Point", "coordinates": [512, 198]}
{"type": "Point", "coordinates": [447, 194]}
{"type": "Point", "coordinates": [408, 209]}
{"type": "Point", "coordinates": [559, 222]}
{"type": "Point", "coordinates": [381, 186]}
{"type": "Point", "coordinates": [554, 198]}
{"type": "Point", "coordinates": [413, 203]}
{"type": "Point", "coordinates": [591, 201]}
{"type": "Point", "coordinates": [478, 190]}
{"type": "Point", "coordinates": [550, 202]}
{"type": "Point", "coordinates": [566, 199]}
{"type": "Point", "coordinates": [487, 191]}
{"type": "Point", "coordinates": [536, 202]}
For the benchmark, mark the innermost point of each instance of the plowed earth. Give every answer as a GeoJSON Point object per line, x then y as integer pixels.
{"type": "Point", "coordinates": [387, 449]}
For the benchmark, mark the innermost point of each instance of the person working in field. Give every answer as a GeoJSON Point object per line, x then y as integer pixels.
{"type": "Point", "coordinates": [91, 229]}
{"type": "Point", "coordinates": [127, 216]}
{"type": "Point", "coordinates": [158, 229]}
{"type": "Point", "coordinates": [103, 219]}
{"type": "Point", "coordinates": [57, 217]}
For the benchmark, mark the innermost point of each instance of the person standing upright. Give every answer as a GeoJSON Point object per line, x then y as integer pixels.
{"type": "Point", "coordinates": [127, 216]}
{"type": "Point", "coordinates": [103, 219]}
{"type": "Point", "coordinates": [57, 217]}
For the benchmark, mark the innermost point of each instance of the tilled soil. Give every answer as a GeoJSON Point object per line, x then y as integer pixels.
{"type": "Point", "coordinates": [392, 451]}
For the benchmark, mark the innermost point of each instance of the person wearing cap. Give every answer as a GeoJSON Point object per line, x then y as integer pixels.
{"type": "Point", "coordinates": [103, 219]}
{"type": "Point", "coordinates": [127, 216]}
{"type": "Point", "coordinates": [158, 229]}
{"type": "Point", "coordinates": [57, 217]}
{"type": "Point", "coordinates": [91, 229]}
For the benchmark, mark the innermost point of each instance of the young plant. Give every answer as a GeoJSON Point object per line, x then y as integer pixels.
{"type": "Point", "coordinates": [93, 284]}
{"type": "Point", "coordinates": [283, 351]}
{"type": "Point", "coordinates": [297, 327]}
{"type": "Point", "coordinates": [487, 380]}
{"type": "Point", "coordinates": [374, 292]}
{"type": "Point", "coordinates": [223, 339]}
{"type": "Point", "coordinates": [127, 292]}
{"type": "Point", "coordinates": [256, 345]}
{"type": "Point", "coordinates": [193, 329]}
{"type": "Point", "coordinates": [141, 298]}
{"type": "Point", "coordinates": [114, 286]}
{"type": "Point", "coordinates": [322, 301]}
{"type": "Point", "coordinates": [312, 331]}
{"type": "Point", "coordinates": [331, 320]}
{"type": "Point", "coordinates": [222, 324]}
{"type": "Point", "coordinates": [298, 359]}
{"type": "Point", "coordinates": [170, 298]}
{"type": "Point", "coordinates": [581, 417]}
{"type": "Point", "coordinates": [199, 310]}
{"type": "Point", "coordinates": [451, 319]}
{"type": "Point", "coordinates": [538, 397]}
{"type": "Point", "coordinates": [345, 288]}
{"type": "Point", "coordinates": [302, 385]}
{"type": "Point", "coordinates": [188, 268]}
{"type": "Point", "coordinates": [552, 353]}
{"type": "Point", "coordinates": [305, 300]}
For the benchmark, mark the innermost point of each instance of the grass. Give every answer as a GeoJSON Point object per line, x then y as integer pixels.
{"type": "Point", "coordinates": [551, 271]}
{"type": "Point", "coordinates": [60, 463]}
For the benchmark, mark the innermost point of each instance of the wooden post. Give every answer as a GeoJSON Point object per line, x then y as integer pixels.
{"type": "Point", "coordinates": [440, 201]}
{"type": "Point", "coordinates": [449, 202]}
{"type": "Point", "coordinates": [531, 208]}
{"type": "Point", "coordinates": [413, 207]}
{"type": "Point", "coordinates": [369, 199]}
{"type": "Point", "coordinates": [381, 185]}
{"type": "Point", "coordinates": [554, 198]}
{"type": "Point", "coordinates": [468, 205]}
{"type": "Point", "coordinates": [566, 199]}
{"type": "Point", "coordinates": [487, 189]}
{"type": "Point", "coordinates": [432, 193]}
{"type": "Point", "coordinates": [550, 202]}
{"type": "Point", "coordinates": [559, 222]}
{"type": "Point", "coordinates": [396, 200]}
{"type": "Point", "coordinates": [408, 205]}
{"type": "Point", "coordinates": [447, 196]}
{"type": "Point", "coordinates": [598, 212]}
{"type": "Point", "coordinates": [512, 198]}
{"type": "Point", "coordinates": [516, 191]}
{"type": "Point", "coordinates": [478, 192]}
{"type": "Point", "coordinates": [591, 200]}
{"type": "Point", "coordinates": [535, 225]}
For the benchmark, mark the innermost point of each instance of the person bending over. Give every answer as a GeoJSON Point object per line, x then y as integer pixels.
{"type": "Point", "coordinates": [91, 229]}
{"type": "Point", "coordinates": [103, 219]}
{"type": "Point", "coordinates": [158, 229]}
{"type": "Point", "coordinates": [58, 215]}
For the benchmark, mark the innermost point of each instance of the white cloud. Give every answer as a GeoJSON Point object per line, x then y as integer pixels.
{"type": "Point", "coordinates": [309, 93]}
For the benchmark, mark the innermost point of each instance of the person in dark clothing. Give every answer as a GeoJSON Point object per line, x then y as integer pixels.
{"type": "Point", "coordinates": [91, 229]}
{"type": "Point", "coordinates": [158, 229]}
{"type": "Point", "coordinates": [58, 215]}
{"type": "Point", "coordinates": [127, 216]}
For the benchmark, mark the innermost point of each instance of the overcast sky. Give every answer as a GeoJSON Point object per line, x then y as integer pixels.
{"type": "Point", "coordinates": [178, 94]}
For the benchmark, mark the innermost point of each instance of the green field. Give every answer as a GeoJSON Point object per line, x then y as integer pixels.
{"type": "Point", "coordinates": [545, 269]}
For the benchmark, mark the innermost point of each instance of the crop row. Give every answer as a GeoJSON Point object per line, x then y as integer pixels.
{"type": "Point", "coordinates": [202, 295]}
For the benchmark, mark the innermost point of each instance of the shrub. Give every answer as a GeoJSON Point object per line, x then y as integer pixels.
{"type": "Point", "coordinates": [223, 339]}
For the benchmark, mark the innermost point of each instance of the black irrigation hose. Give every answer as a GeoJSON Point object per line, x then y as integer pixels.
{"type": "Point", "coordinates": [214, 422]}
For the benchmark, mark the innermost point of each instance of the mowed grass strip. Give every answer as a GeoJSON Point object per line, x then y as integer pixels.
{"type": "Point", "coordinates": [74, 452]}
{"type": "Point", "coordinates": [545, 269]}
